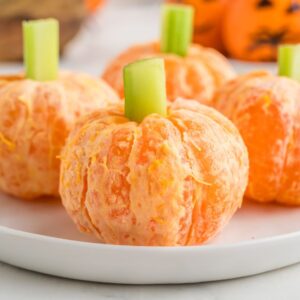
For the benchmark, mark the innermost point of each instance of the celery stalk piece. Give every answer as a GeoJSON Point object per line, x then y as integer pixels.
{"type": "Point", "coordinates": [41, 49]}
{"type": "Point", "coordinates": [177, 28]}
{"type": "Point", "coordinates": [145, 89]}
{"type": "Point", "coordinates": [289, 61]}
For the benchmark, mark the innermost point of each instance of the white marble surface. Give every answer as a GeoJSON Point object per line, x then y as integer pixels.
{"type": "Point", "coordinates": [108, 32]}
{"type": "Point", "coordinates": [16, 284]}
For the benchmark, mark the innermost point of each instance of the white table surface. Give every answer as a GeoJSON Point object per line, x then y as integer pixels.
{"type": "Point", "coordinates": [121, 24]}
{"type": "Point", "coordinates": [17, 284]}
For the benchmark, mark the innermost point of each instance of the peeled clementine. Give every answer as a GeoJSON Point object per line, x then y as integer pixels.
{"type": "Point", "coordinates": [196, 76]}
{"type": "Point", "coordinates": [174, 180]}
{"type": "Point", "coordinates": [266, 110]}
{"type": "Point", "coordinates": [35, 120]}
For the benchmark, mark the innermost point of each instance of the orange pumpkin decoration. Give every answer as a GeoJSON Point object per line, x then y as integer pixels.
{"type": "Point", "coordinates": [196, 76]}
{"type": "Point", "coordinates": [266, 110]}
{"type": "Point", "coordinates": [207, 21]}
{"type": "Point", "coordinates": [93, 5]}
{"type": "Point", "coordinates": [253, 29]}
{"type": "Point", "coordinates": [35, 120]}
{"type": "Point", "coordinates": [174, 180]}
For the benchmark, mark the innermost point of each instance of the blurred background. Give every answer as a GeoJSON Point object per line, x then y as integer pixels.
{"type": "Point", "coordinates": [91, 31]}
{"type": "Point", "coordinates": [94, 31]}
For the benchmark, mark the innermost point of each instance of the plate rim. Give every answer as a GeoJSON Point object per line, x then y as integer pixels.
{"type": "Point", "coordinates": [205, 247]}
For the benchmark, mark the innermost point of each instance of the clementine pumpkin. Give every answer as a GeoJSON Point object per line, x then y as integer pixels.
{"type": "Point", "coordinates": [253, 29]}
{"type": "Point", "coordinates": [266, 110]}
{"type": "Point", "coordinates": [174, 180]}
{"type": "Point", "coordinates": [35, 120]}
{"type": "Point", "coordinates": [195, 76]}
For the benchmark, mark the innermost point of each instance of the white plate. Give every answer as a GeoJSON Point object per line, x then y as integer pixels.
{"type": "Point", "coordinates": [39, 236]}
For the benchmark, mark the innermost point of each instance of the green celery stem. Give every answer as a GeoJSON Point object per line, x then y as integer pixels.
{"type": "Point", "coordinates": [41, 49]}
{"type": "Point", "coordinates": [289, 61]}
{"type": "Point", "coordinates": [177, 28]}
{"type": "Point", "coordinates": [145, 89]}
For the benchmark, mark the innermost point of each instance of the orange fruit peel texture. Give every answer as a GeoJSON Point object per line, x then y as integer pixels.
{"type": "Point", "coordinates": [196, 76]}
{"type": "Point", "coordinates": [166, 181]}
{"type": "Point", "coordinates": [266, 110]}
{"type": "Point", "coordinates": [35, 120]}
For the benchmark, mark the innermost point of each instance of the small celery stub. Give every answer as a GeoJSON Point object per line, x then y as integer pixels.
{"type": "Point", "coordinates": [289, 61]}
{"type": "Point", "coordinates": [177, 28]}
{"type": "Point", "coordinates": [145, 89]}
{"type": "Point", "coordinates": [41, 49]}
